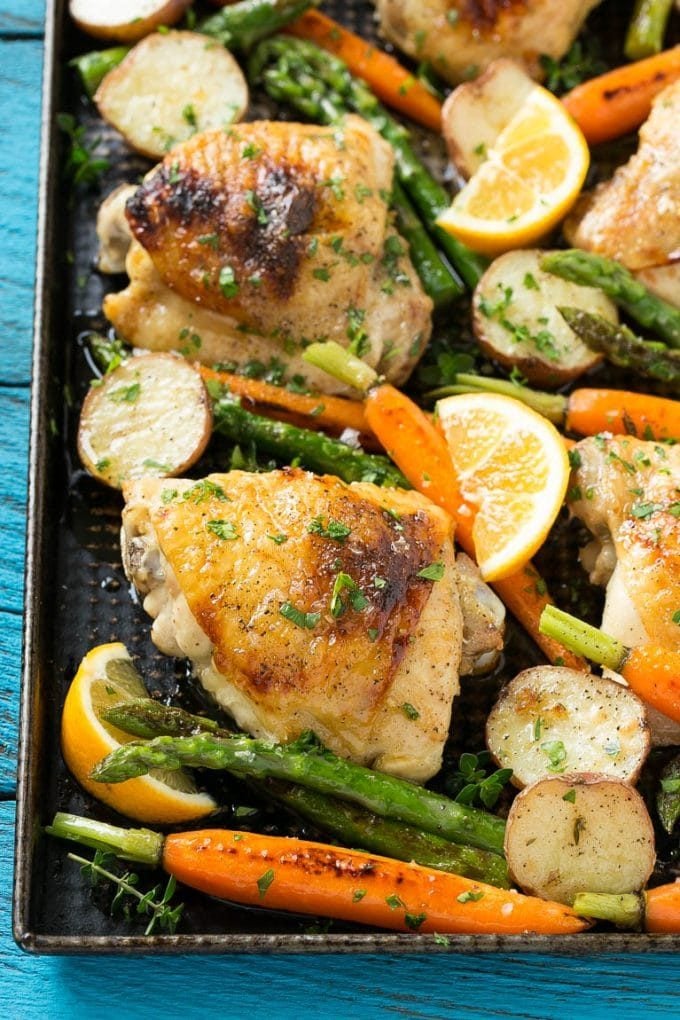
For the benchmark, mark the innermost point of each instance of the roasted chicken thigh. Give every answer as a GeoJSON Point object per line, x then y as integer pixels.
{"type": "Point", "coordinates": [460, 37]}
{"type": "Point", "coordinates": [305, 603]}
{"type": "Point", "coordinates": [629, 497]}
{"type": "Point", "coordinates": [268, 236]}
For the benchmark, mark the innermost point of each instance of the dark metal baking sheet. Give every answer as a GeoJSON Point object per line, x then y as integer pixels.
{"type": "Point", "coordinates": [77, 596]}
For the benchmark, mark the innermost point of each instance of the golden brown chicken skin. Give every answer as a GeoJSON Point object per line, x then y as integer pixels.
{"type": "Point", "coordinates": [302, 602]}
{"type": "Point", "coordinates": [461, 37]}
{"type": "Point", "coordinates": [628, 495]}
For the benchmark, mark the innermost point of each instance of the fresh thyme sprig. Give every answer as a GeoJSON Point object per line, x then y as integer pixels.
{"type": "Point", "coordinates": [471, 783]}
{"type": "Point", "coordinates": [152, 904]}
{"type": "Point", "coordinates": [83, 165]}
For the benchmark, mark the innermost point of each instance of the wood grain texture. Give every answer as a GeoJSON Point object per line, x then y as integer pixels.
{"type": "Point", "coordinates": [368, 987]}
{"type": "Point", "coordinates": [22, 17]}
{"type": "Point", "coordinates": [20, 71]}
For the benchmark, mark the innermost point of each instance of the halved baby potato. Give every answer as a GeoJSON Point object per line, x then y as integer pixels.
{"type": "Point", "coordinates": [150, 416]}
{"type": "Point", "coordinates": [579, 833]}
{"type": "Point", "coordinates": [551, 719]}
{"type": "Point", "coordinates": [517, 322]}
{"type": "Point", "coordinates": [169, 87]}
{"type": "Point", "coordinates": [125, 20]}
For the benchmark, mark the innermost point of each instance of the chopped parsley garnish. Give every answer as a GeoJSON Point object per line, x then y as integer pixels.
{"type": "Point", "coordinates": [297, 616]}
{"type": "Point", "coordinates": [676, 617]}
{"type": "Point", "coordinates": [379, 582]}
{"type": "Point", "coordinates": [373, 633]}
{"type": "Point", "coordinates": [470, 896]}
{"type": "Point", "coordinates": [250, 151]}
{"type": "Point", "coordinates": [126, 394]}
{"type": "Point", "coordinates": [82, 165]}
{"type": "Point", "coordinates": [189, 115]}
{"type": "Point", "coordinates": [414, 921]}
{"type": "Point", "coordinates": [334, 530]}
{"type": "Point", "coordinates": [212, 240]}
{"type": "Point", "coordinates": [358, 895]}
{"type": "Point", "coordinates": [409, 711]}
{"type": "Point", "coordinates": [557, 755]}
{"type": "Point", "coordinates": [433, 572]}
{"type": "Point", "coordinates": [538, 726]}
{"type": "Point", "coordinates": [204, 490]}
{"type": "Point", "coordinates": [227, 282]}
{"type": "Point", "coordinates": [579, 826]}
{"type": "Point", "coordinates": [225, 530]}
{"type": "Point", "coordinates": [264, 881]}
{"type": "Point", "coordinates": [530, 282]}
{"type": "Point", "coordinates": [322, 273]}
{"type": "Point", "coordinates": [644, 510]}
{"type": "Point", "coordinates": [278, 539]}
{"type": "Point", "coordinates": [174, 176]}
{"type": "Point", "coordinates": [443, 940]}
{"type": "Point", "coordinates": [356, 598]}
{"type": "Point", "coordinates": [394, 902]}
{"type": "Point", "coordinates": [255, 203]}
{"type": "Point", "coordinates": [167, 495]}
{"type": "Point", "coordinates": [570, 796]}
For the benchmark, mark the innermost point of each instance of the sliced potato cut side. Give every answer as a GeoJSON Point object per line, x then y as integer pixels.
{"type": "Point", "coordinates": [125, 20]}
{"type": "Point", "coordinates": [551, 719]}
{"type": "Point", "coordinates": [169, 87]}
{"type": "Point", "coordinates": [579, 833]}
{"type": "Point", "coordinates": [476, 112]}
{"type": "Point", "coordinates": [150, 416]}
{"type": "Point", "coordinates": [517, 322]}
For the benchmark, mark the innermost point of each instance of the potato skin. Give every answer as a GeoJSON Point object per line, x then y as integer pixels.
{"type": "Point", "coordinates": [130, 30]}
{"type": "Point", "coordinates": [601, 725]}
{"type": "Point", "coordinates": [579, 833]}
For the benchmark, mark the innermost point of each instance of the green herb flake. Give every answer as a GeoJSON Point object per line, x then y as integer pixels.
{"type": "Point", "coordinates": [278, 539]}
{"type": "Point", "coordinates": [556, 753]}
{"type": "Point", "coordinates": [433, 572]}
{"type": "Point", "coordinates": [441, 940]}
{"type": "Point", "coordinates": [579, 826]}
{"type": "Point", "coordinates": [307, 621]}
{"type": "Point", "coordinates": [530, 282]}
{"type": "Point", "coordinates": [357, 599]}
{"type": "Point", "coordinates": [225, 530]}
{"type": "Point", "coordinates": [676, 616]}
{"type": "Point", "coordinates": [358, 895]}
{"type": "Point", "coordinates": [189, 115]}
{"type": "Point", "coordinates": [409, 711]}
{"type": "Point", "coordinates": [212, 240]}
{"type": "Point", "coordinates": [126, 394]}
{"type": "Point", "coordinates": [204, 490]}
{"type": "Point", "coordinates": [394, 902]}
{"type": "Point", "coordinates": [264, 881]}
{"type": "Point", "coordinates": [334, 530]}
{"type": "Point", "coordinates": [227, 282]}
{"type": "Point", "coordinates": [250, 151]}
{"type": "Point", "coordinates": [538, 728]}
{"type": "Point", "coordinates": [373, 634]}
{"type": "Point", "coordinates": [167, 495]}
{"type": "Point", "coordinates": [414, 921]}
{"type": "Point", "coordinates": [321, 273]}
{"type": "Point", "coordinates": [470, 897]}
{"type": "Point", "coordinates": [570, 796]}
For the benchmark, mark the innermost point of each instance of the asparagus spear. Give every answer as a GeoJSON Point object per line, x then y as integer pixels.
{"type": "Point", "coordinates": [314, 450]}
{"type": "Point", "coordinates": [353, 825]}
{"type": "Point", "coordinates": [436, 278]}
{"type": "Point", "coordinates": [647, 28]}
{"type": "Point", "coordinates": [242, 25]}
{"type": "Point", "coordinates": [319, 770]}
{"type": "Point", "coordinates": [622, 347]}
{"type": "Point", "coordinates": [321, 86]}
{"type": "Point", "coordinates": [93, 67]}
{"type": "Point", "coordinates": [621, 286]}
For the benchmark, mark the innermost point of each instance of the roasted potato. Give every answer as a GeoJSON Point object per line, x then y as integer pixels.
{"type": "Point", "coordinates": [125, 20]}
{"type": "Point", "coordinates": [149, 416]}
{"type": "Point", "coordinates": [551, 719]}
{"type": "Point", "coordinates": [476, 112]}
{"type": "Point", "coordinates": [579, 833]}
{"type": "Point", "coordinates": [169, 87]}
{"type": "Point", "coordinates": [516, 321]}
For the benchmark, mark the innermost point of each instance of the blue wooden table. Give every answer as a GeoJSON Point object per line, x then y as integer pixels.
{"type": "Point", "coordinates": [281, 987]}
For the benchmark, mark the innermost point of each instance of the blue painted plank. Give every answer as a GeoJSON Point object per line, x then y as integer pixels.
{"type": "Point", "coordinates": [14, 410]}
{"type": "Point", "coordinates": [369, 987]}
{"type": "Point", "coordinates": [10, 665]}
{"type": "Point", "coordinates": [22, 17]}
{"type": "Point", "coordinates": [20, 73]}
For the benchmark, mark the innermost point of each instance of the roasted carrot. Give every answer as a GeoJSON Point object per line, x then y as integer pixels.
{"type": "Point", "coordinates": [652, 672]}
{"type": "Point", "coordinates": [391, 82]}
{"type": "Point", "coordinates": [590, 411]}
{"type": "Point", "coordinates": [618, 102]}
{"type": "Point", "coordinates": [586, 411]}
{"type": "Point", "coordinates": [653, 910]}
{"type": "Point", "coordinates": [313, 878]}
{"type": "Point", "coordinates": [421, 452]}
{"type": "Point", "coordinates": [335, 413]}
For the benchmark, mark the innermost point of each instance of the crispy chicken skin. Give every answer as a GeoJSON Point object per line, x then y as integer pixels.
{"type": "Point", "coordinates": [280, 232]}
{"type": "Point", "coordinates": [635, 217]}
{"type": "Point", "coordinates": [374, 674]}
{"type": "Point", "coordinates": [459, 35]}
{"type": "Point", "coordinates": [630, 498]}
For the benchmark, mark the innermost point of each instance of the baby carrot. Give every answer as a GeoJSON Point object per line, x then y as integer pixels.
{"type": "Point", "coordinates": [391, 82]}
{"type": "Point", "coordinates": [590, 411]}
{"type": "Point", "coordinates": [336, 413]}
{"type": "Point", "coordinates": [653, 910]}
{"type": "Point", "coordinates": [298, 875]}
{"type": "Point", "coordinates": [618, 102]}
{"type": "Point", "coordinates": [652, 672]}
